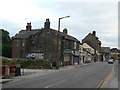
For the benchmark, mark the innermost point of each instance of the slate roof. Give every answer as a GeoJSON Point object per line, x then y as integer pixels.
{"type": "Point", "coordinates": [115, 50]}
{"type": "Point", "coordinates": [105, 49]}
{"type": "Point", "coordinates": [90, 34]}
{"type": "Point", "coordinates": [66, 36]}
{"type": "Point", "coordinates": [26, 33]}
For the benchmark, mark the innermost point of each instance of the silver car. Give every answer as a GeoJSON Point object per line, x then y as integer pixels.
{"type": "Point", "coordinates": [110, 61]}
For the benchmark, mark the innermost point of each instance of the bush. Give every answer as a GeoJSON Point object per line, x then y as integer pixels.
{"type": "Point", "coordinates": [8, 61]}
{"type": "Point", "coordinates": [28, 63]}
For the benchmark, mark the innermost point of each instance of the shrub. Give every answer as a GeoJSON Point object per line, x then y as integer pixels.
{"type": "Point", "coordinates": [8, 61]}
{"type": "Point", "coordinates": [28, 63]}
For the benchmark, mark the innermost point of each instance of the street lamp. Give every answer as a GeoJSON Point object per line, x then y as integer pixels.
{"type": "Point", "coordinates": [59, 22]}
{"type": "Point", "coordinates": [57, 66]}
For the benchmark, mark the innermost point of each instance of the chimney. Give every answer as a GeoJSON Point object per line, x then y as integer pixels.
{"type": "Point", "coordinates": [65, 30]}
{"type": "Point", "coordinates": [28, 27]}
{"type": "Point", "coordinates": [47, 24]}
{"type": "Point", "coordinates": [94, 33]}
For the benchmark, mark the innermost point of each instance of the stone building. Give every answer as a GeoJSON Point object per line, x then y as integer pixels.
{"type": "Point", "coordinates": [92, 40]}
{"type": "Point", "coordinates": [105, 53]}
{"type": "Point", "coordinates": [45, 43]}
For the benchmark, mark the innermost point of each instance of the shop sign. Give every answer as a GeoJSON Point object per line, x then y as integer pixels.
{"type": "Point", "coordinates": [67, 52]}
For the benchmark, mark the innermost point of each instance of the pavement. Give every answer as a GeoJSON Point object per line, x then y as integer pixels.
{"type": "Point", "coordinates": [32, 73]}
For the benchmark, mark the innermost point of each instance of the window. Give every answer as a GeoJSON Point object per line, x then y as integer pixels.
{"type": "Point", "coordinates": [79, 47]}
{"type": "Point", "coordinates": [67, 44]}
{"type": "Point", "coordinates": [16, 43]}
{"type": "Point", "coordinates": [66, 57]}
{"type": "Point", "coordinates": [41, 44]}
{"type": "Point", "coordinates": [33, 42]}
{"type": "Point", "coordinates": [23, 43]}
{"type": "Point", "coordinates": [74, 45]}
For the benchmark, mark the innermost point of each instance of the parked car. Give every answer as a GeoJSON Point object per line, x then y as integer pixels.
{"type": "Point", "coordinates": [110, 61]}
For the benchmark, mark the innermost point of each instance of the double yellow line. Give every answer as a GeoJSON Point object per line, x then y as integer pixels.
{"type": "Point", "coordinates": [102, 83]}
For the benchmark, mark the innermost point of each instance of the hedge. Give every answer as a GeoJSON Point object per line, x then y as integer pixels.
{"type": "Point", "coordinates": [27, 63]}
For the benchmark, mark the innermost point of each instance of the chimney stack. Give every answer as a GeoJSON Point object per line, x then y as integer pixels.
{"type": "Point", "coordinates": [65, 30]}
{"type": "Point", "coordinates": [94, 33]}
{"type": "Point", "coordinates": [28, 27]}
{"type": "Point", "coordinates": [47, 24]}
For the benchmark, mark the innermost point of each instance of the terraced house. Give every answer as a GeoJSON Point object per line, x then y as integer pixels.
{"type": "Point", "coordinates": [46, 43]}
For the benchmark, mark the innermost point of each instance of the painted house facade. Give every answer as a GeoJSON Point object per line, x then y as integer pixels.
{"type": "Point", "coordinates": [86, 53]}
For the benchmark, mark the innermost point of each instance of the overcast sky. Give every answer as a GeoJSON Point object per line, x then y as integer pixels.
{"type": "Point", "coordinates": [100, 16]}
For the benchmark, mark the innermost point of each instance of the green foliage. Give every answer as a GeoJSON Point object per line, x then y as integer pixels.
{"type": "Point", "coordinates": [8, 61]}
{"type": "Point", "coordinates": [35, 63]}
{"type": "Point", "coordinates": [28, 63]}
{"type": "Point", "coordinates": [6, 44]}
{"type": "Point", "coordinates": [5, 36]}
{"type": "Point", "coordinates": [7, 50]}
{"type": "Point", "coordinates": [0, 49]}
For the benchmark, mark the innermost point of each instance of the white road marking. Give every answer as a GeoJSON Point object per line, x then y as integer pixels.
{"type": "Point", "coordinates": [54, 84]}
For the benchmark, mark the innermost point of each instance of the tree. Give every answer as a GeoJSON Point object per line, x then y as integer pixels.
{"type": "Point", "coordinates": [6, 44]}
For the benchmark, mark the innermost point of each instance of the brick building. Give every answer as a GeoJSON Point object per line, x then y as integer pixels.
{"type": "Point", "coordinates": [115, 53]}
{"type": "Point", "coordinates": [105, 53]}
{"type": "Point", "coordinates": [92, 40]}
{"type": "Point", "coordinates": [46, 43]}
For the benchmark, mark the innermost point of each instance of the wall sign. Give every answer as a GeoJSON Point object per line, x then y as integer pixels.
{"type": "Point", "coordinates": [34, 55]}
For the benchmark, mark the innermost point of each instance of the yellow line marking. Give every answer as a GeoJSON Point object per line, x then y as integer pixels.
{"type": "Point", "coordinates": [100, 84]}
{"type": "Point", "coordinates": [108, 77]}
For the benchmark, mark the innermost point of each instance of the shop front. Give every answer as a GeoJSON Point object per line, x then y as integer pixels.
{"type": "Point", "coordinates": [67, 57]}
{"type": "Point", "coordinates": [76, 57]}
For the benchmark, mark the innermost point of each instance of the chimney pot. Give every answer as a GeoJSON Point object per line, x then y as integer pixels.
{"type": "Point", "coordinates": [94, 33]}
{"type": "Point", "coordinates": [65, 30]}
{"type": "Point", "coordinates": [47, 24]}
{"type": "Point", "coordinates": [28, 27]}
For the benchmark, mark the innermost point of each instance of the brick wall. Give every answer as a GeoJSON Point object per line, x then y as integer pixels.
{"type": "Point", "coordinates": [15, 50]}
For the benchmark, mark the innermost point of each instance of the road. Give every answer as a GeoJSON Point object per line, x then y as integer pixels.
{"type": "Point", "coordinates": [88, 76]}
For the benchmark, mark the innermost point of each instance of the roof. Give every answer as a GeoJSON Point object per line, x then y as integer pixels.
{"type": "Point", "coordinates": [105, 49]}
{"type": "Point", "coordinates": [115, 50]}
{"type": "Point", "coordinates": [66, 36]}
{"type": "Point", "coordinates": [26, 33]}
{"type": "Point", "coordinates": [90, 34]}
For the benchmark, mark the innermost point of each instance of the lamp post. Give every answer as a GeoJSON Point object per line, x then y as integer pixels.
{"type": "Point", "coordinates": [59, 21]}
{"type": "Point", "coordinates": [57, 66]}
